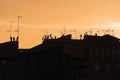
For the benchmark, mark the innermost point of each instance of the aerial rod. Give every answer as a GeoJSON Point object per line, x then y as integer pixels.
{"type": "Point", "coordinates": [64, 29]}
{"type": "Point", "coordinates": [18, 30]}
{"type": "Point", "coordinates": [10, 31]}
{"type": "Point", "coordinates": [10, 28]}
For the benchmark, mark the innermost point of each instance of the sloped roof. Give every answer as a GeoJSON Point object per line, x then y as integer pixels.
{"type": "Point", "coordinates": [49, 43]}
{"type": "Point", "coordinates": [105, 38]}
{"type": "Point", "coordinates": [89, 39]}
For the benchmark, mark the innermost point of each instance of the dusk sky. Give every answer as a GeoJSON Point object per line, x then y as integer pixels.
{"type": "Point", "coordinates": [41, 16]}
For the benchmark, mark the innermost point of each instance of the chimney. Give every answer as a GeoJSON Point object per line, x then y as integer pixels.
{"type": "Point", "coordinates": [10, 39]}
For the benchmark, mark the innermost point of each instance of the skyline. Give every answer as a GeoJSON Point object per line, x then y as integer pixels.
{"type": "Point", "coordinates": [52, 15]}
{"type": "Point", "coordinates": [37, 33]}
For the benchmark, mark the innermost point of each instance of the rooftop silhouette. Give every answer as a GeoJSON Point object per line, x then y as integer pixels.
{"type": "Point", "coordinates": [94, 57]}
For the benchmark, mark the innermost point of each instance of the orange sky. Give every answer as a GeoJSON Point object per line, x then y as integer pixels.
{"type": "Point", "coordinates": [52, 15]}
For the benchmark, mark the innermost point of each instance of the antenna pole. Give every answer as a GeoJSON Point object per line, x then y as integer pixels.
{"type": "Point", "coordinates": [18, 30]}
{"type": "Point", "coordinates": [64, 30]}
{"type": "Point", "coordinates": [18, 27]}
{"type": "Point", "coordinates": [10, 27]}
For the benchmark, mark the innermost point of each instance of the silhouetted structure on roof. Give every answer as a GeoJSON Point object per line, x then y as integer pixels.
{"type": "Point", "coordinates": [91, 58]}
{"type": "Point", "coordinates": [94, 57]}
{"type": "Point", "coordinates": [9, 49]}
{"type": "Point", "coordinates": [105, 38]}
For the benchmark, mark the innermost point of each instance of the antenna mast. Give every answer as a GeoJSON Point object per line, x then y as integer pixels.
{"type": "Point", "coordinates": [64, 30]}
{"type": "Point", "coordinates": [10, 28]}
{"type": "Point", "coordinates": [18, 30]}
{"type": "Point", "coordinates": [18, 27]}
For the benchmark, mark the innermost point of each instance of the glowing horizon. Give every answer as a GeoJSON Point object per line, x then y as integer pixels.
{"type": "Point", "coordinates": [52, 15]}
{"type": "Point", "coordinates": [38, 31]}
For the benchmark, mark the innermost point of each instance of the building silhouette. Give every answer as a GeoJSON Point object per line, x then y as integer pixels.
{"type": "Point", "coordinates": [92, 58]}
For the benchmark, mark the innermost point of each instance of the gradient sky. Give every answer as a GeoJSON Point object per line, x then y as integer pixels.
{"type": "Point", "coordinates": [41, 16]}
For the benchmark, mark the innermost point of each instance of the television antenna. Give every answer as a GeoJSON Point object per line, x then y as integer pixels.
{"type": "Point", "coordinates": [18, 31]}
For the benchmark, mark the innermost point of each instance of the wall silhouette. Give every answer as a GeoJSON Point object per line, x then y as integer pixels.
{"type": "Point", "coordinates": [91, 58]}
